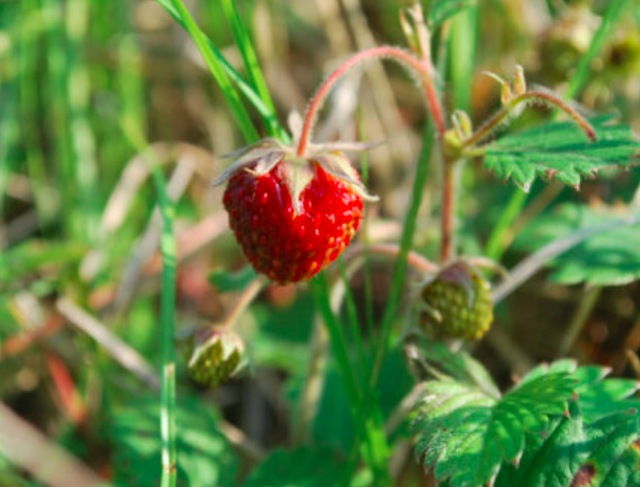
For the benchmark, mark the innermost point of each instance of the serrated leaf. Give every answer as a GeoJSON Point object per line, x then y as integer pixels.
{"type": "Point", "coordinates": [599, 397]}
{"type": "Point", "coordinates": [607, 259]}
{"type": "Point", "coordinates": [442, 10]}
{"type": "Point", "coordinates": [561, 151]}
{"type": "Point", "coordinates": [575, 453]}
{"type": "Point", "coordinates": [303, 467]}
{"type": "Point", "coordinates": [466, 434]}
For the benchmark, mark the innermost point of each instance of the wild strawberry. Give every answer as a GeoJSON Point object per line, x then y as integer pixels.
{"type": "Point", "coordinates": [292, 216]}
{"type": "Point", "coordinates": [458, 302]}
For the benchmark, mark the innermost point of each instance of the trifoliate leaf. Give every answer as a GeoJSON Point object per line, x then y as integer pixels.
{"type": "Point", "coordinates": [607, 259]}
{"type": "Point", "coordinates": [303, 467]}
{"type": "Point", "coordinates": [562, 151]}
{"type": "Point", "coordinates": [573, 452]}
{"type": "Point", "coordinates": [466, 434]}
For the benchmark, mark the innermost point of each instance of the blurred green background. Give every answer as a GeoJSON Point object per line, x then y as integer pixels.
{"type": "Point", "coordinates": [80, 231]}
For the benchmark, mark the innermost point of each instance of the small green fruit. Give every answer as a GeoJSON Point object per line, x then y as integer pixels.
{"type": "Point", "coordinates": [458, 302]}
{"type": "Point", "coordinates": [214, 356]}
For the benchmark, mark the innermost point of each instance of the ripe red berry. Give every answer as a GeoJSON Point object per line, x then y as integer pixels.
{"type": "Point", "coordinates": [293, 215]}
{"type": "Point", "coordinates": [285, 244]}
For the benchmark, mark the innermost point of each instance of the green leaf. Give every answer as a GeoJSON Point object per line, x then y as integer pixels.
{"type": "Point", "coordinates": [573, 452]}
{"type": "Point", "coordinates": [440, 362]}
{"type": "Point", "coordinates": [442, 10]}
{"type": "Point", "coordinates": [467, 434]}
{"type": "Point", "coordinates": [303, 467]}
{"type": "Point", "coordinates": [607, 259]}
{"type": "Point", "coordinates": [599, 398]}
{"type": "Point", "coordinates": [561, 151]}
{"type": "Point", "coordinates": [205, 458]}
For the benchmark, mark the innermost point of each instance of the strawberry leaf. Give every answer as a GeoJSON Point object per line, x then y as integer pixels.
{"type": "Point", "coordinates": [607, 259]}
{"type": "Point", "coordinates": [597, 396]}
{"type": "Point", "coordinates": [561, 151]}
{"type": "Point", "coordinates": [466, 434]}
{"type": "Point", "coordinates": [574, 452]}
{"type": "Point", "coordinates": [472, 439]}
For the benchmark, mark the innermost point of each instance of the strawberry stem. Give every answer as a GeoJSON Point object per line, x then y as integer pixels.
{"type": "Point", "coordinates": [243, 302]}
{"type": "Point", "coordinates": [422, 67]}
{"type": "Point", "coordinates": [529, 97]}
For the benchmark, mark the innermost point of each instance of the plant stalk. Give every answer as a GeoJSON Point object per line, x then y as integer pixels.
{"type": "Point", "coordinates": [398, 55]}
{"type": "Point", "coordinates": [529, 97]}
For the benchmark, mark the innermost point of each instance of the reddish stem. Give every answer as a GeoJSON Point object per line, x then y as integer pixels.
{"type": "Point", "coordinates": [488, 127]}
{"type": "Point", "coordinates": [422, 68]}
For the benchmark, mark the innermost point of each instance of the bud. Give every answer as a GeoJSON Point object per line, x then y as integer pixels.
{"type": "Point", "coordinates": [457, 301]}
{"type": "Point", "coordinates": [215, 355]}
{"type": "Point", "coordinates": [505, 92]}
{"type": "Point", "coordinates": [519, 82]}
{"type": "Point", "coordinates": [462, 124]}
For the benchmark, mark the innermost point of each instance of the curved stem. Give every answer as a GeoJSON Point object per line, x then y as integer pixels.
{"type": "Point", "coordinates": [421, 67]}
{"type": "Point", "coordinates": [530, 96]}
{"type": "Point", "coordinates": [416, 260]}
{"type": "Point", "coordinates": [245, 299]}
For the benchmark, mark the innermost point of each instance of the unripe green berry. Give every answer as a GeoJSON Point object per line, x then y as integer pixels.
{"type": "Point", "coordinates": [458, 302]}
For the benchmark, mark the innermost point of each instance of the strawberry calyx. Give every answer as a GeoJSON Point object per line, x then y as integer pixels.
{"type": "Point", "coordinates": [297, 172]}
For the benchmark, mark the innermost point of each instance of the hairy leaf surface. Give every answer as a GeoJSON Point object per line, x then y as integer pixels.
{"type": "Point", "coordinates": [469, 435]}
{"type": "Point", "coordinates": [466, 434]}
{"type": "Point", "coordinates": [573, 452]}
{"type": "Point", "coordinates": [562, 151]}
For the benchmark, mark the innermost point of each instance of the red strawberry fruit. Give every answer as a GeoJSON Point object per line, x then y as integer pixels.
{"type": "Point", "coordinates": [292, 216]}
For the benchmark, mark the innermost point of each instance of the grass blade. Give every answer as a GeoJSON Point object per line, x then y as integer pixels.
{"type": "Point", "coordinates": [243, 120]}
{"type": "Point", "coordinates": [83, 144]}
{"type": "Point", "coordinates": [248, 53]}
{"type": "Point", "coordinates": [265, 112]}
{"type": "Point", "coordinates": [609, 20]}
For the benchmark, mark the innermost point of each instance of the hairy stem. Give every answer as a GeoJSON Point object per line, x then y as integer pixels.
{"type": "Point", "coordinates": [531, 96]}
{"type": "Point", "coordinates": [421, 67]}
